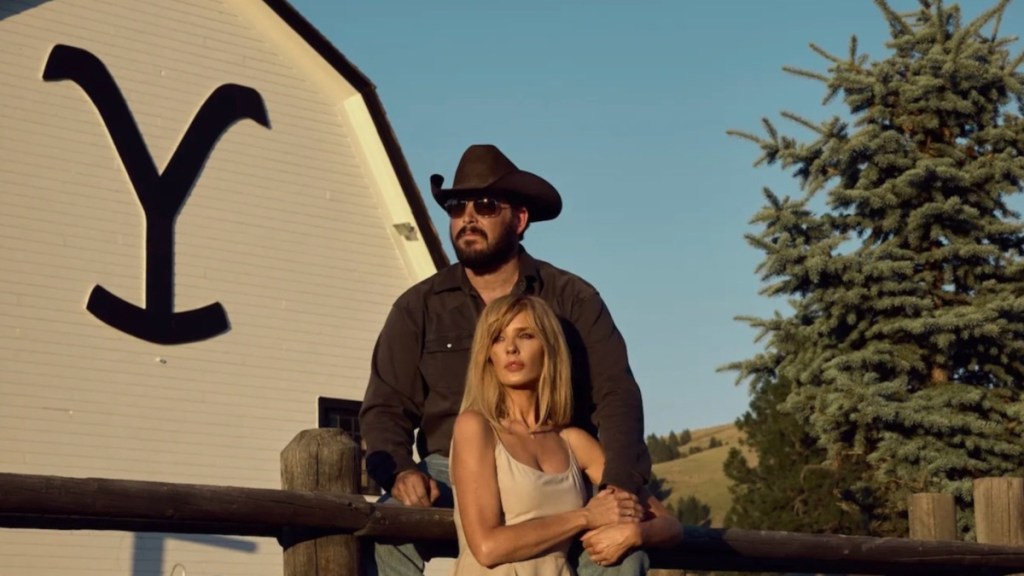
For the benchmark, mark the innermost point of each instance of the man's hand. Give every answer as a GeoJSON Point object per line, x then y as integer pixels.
{"type": "Point", "coordinates": [414, 488]}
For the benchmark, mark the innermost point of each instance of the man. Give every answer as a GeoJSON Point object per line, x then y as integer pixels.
{"type": "Point", "coordinates": [420, 360]}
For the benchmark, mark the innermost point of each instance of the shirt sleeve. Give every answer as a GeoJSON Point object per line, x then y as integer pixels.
{"type": "Point", "coordinates": [393, 404]}
{"type": "Point", "coordinates": [618, 406]}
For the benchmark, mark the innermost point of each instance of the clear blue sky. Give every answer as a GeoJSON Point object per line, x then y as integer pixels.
{"type": "Point", "coordinates": [623, 106]}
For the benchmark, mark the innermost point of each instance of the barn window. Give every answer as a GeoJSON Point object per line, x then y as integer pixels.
{"type": "Point", "coordinates": [344, 414]}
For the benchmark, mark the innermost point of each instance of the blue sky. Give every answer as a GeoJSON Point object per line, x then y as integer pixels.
{"type": "Point", "coordinates": [624, 107]}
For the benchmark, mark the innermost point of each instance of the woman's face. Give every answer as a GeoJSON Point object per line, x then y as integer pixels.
{"type": "Point", "coordinates": [517, 353]}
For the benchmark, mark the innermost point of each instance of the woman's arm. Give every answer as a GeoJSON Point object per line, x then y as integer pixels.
{"type": "Point", "coordinates": [587, 451]}
{"type": "Point", "coordinates": [475, 479]}
{"type": "Point", "coordinates": [608, 544]}
{"type": "Point", "coordinates": [590, 456]}
{"type": "Point", "coordinates": [660, 529]}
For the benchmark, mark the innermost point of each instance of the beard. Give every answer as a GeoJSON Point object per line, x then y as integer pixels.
{"type": "Point", "coordinates": [488, 255]}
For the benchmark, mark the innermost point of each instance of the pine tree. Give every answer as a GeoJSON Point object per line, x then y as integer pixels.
{"type": "Point", "coordinates": [659, 450]}
{"type": "Point", "coordinates": [673, 441]}
{"type": "Point", "coordinates": [906, 286]}
{"type": "Point", "coordinates": [790, 489]}
{"type": "Point", "coordinates": [656, 486]}
{"type": "Point", "coordinates": [685, 437]}
{"type": "Point", "coordinates": [691, 511]}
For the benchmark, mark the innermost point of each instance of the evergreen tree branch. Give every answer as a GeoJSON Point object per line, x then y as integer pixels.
{"type": "Point", "coordinates": [1011, 69]}
{"type": "Point", "coordinates": [996, 26]}
{"type": "Point", "coordinates": [940, 22]}
{"type": "Point", "coordinates": [816, 128]}
{"type": "Point", "coordinates": [825, 54]}
{"type": "Point", "coordinates": [807, 74]}
{"type": "Point", "coordinates": [770, 128]}
{"type": "Point", "coordinates": [897, 24]}
{"type": "Point", "coordinates": [987, 16]}
{"type": "Point", "coordinates": [745, 135]}
{"type": "Point", "coordinates": [973, 29]}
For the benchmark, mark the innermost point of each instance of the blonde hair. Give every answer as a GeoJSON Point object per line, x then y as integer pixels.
{"type": "Point", "coordinates": [554, 391]}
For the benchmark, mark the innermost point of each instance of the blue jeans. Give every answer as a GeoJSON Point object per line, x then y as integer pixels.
{"type": "Point", "coordinates": [407, 559]}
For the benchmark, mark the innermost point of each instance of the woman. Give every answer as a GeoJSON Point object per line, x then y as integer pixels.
{"type": "Point", "coordinates": [517, 465]}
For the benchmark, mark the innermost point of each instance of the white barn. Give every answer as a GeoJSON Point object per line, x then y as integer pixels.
{"type": "Point", "coordinates": [204, 219]}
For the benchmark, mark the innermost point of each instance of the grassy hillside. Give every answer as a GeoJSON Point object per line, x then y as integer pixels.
{"type": "Point", "coordinates": [701, 474]}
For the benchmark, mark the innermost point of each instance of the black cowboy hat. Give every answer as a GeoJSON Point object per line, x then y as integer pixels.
{"type": "Point", "coordinates": [483, 169]}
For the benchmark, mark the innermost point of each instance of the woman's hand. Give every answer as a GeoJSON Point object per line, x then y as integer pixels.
{"type": "Point", "coordinates": [613, 506]}
{"type": "Point", "coordinates": [608, 544]}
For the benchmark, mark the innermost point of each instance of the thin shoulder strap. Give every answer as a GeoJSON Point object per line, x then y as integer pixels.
{"type": "Point", "coordinates": [568, 446]}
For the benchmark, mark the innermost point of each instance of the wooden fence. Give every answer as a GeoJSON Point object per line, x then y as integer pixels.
{"type": "Point", "coordinates": [319, 520]}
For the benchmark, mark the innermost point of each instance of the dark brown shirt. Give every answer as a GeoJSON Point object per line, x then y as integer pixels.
{"type": "Point", "coordinates": [419, 367]}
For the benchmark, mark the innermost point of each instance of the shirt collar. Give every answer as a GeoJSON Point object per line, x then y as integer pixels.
{"type": "Point", "coordinates": [529, 273]}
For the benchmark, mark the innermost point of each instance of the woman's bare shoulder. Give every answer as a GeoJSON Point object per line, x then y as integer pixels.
{"type": "Point", "coordinates": [587, 451]}
{"type": "Point", "coordinates": [471, 415]}
{"type": "Point", "coordinates": [471, 424]}
{"type": "Point", "coordinates": [574, 434]}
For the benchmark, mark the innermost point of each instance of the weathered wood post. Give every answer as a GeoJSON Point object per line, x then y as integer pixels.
{"type": "Point", "coordinates": [320, 460]}
{"type": "Point", "coordinates": [999, 510]}
{"type": "Point", "coordinates": [932, 516]}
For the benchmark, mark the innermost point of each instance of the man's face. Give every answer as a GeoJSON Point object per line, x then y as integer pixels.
{"type": "Point", "coordinates": [484, 232]}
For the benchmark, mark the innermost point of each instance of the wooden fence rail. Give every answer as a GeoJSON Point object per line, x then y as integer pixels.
{"type": "Point", "coordinates": [29, 501]}
{"type": "Point", "coordinates": [305, 517]}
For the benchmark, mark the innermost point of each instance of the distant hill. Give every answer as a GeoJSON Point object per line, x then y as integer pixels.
{"type": "Point", "coordinates": [701, 474]}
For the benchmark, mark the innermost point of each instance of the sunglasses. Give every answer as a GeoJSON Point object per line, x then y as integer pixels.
{"type": "Point", "coordinates": [484, 207]}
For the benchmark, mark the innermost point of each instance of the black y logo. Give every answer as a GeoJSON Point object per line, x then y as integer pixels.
{"type": "Point", "coordinates": [161, 195]}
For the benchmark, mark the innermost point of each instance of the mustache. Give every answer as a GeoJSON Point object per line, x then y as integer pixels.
{"type": "Point", "coordinates": [470, 229]}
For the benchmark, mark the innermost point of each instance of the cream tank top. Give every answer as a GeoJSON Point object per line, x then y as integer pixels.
{"type": "Point", "coordinates": [527, 493]}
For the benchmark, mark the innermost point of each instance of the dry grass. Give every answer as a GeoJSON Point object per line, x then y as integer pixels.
{"type": "Point", "coordinates": [701, 474]}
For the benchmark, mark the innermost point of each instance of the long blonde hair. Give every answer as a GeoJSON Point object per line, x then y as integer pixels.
{"type": "Point", "coordinates": [554, 391]}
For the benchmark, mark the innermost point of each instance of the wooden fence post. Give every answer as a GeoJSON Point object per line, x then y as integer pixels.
{"type": "Point", "coordinates": [932, 516]}
{"type": "Point", "coordinates": [320, 460]}
{"type": "Point", "coordinates": [999, 510]}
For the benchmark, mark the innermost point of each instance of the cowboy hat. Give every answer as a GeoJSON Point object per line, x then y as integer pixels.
{"type": "Point", "coordinates": [484, 169]}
